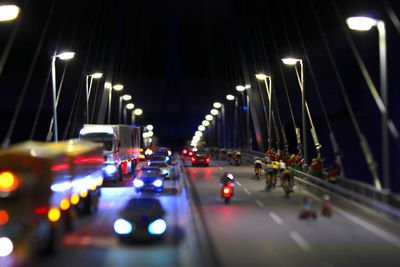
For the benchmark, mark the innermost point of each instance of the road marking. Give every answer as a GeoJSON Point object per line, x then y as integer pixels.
{"type": "Point", "coordinates": [247, 191]}
{"type": "Point", "coordinates": [379, 232]}
{"type": "Point", "coordinates": [276, 218]}
{"type": "Point", "coordinates": [238, 183]}
{"type": "Point", "coordinates": [259, 203]}
{"type": "Point", "coordinates": [303, 244]}
{"type": "Point", "coordinates": [220, 168]}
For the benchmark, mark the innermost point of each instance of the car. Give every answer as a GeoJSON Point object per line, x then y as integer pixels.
{"type": "Point", "coordinates": [165, 168]}
{"type": "Point", "coordinates": [200, 159]}
{"type": "Point", "coordinates": [141, 219]}
{"type": "Point", "coordinates": [156, 156]}
{"type": "Point", "coordinates": [149, 178]}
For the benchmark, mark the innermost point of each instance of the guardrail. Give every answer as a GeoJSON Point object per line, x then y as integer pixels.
{"type": "Point", "coordinates": [382, 200]}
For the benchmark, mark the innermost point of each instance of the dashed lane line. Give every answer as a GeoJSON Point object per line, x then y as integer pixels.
{"type": "Point", "coordinates": [303, 244]}
{"type": "Point", "coordinates": [259, 203]}
{"type": "Point", "coordinates": [239, 184]}
{"type": "Point", "coordinates": [247, 191]}
{"type": "Point", "coordinates": [276, 218]}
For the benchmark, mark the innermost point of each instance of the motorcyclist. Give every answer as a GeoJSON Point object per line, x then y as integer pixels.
{"type": "Point", "coordinates": [257, 166]}
{"type": "Point", "coordinates": [237, 157]}
{"type": "Point", "coordinates": [227, 179]}
{"type": "Point", "coordinates": [270, 177]}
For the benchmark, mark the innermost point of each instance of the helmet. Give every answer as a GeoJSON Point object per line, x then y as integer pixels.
{"type": "Point", "coordinates": [230, 176]}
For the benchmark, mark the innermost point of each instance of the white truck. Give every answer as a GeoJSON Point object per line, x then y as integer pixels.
{"type": "Point", "coordinates": [121, 147]}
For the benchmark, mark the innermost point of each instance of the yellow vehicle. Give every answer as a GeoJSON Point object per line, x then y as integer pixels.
{"type": "Point", "coordinates": [40, 186]}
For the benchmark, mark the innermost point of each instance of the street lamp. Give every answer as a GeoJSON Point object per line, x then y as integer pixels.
{"type": "Point", "coordinates": [214, 112]}
{"type": "Point", "coordinates": [242, 89]}
{"type": "Point", "coordinates": [365, 24]}
{"type": "Point", "coordinates": [149, 127]}
{"type": "Point", "coordinates": [8, 12]}
{"type": "Point", "coordinates": [122, 98]}
{"type": "Point", "coordinates": [201, 128]}
{"type": "Point", "coordinates": [268, 86]}
{"type": "Point", "coordinates": [136, 112]}
{"type": "Point", "coordinates": [217, 105]}
{"type": "Point", "coordinates": [209, 117]}
{"type": "Point", "coordinates": [116, 87]}
{"type": "Point", "coordinates": [293, 62]}
{"type": "Point", "coordinates": [96, 75]}
{"type": "Point", "coordinates": [205, 123]}
{"type": "Point", "coordinates": [62, 56]}
{"type": "Point", "coordinates": [230, 97]}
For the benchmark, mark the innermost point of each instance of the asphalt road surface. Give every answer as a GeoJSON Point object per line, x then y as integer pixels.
{"type": "Point", "coordinates": [259, 228]}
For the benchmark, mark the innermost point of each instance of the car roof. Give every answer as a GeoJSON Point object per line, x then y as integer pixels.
{"type": "Point", "coordinates": [139, 206]}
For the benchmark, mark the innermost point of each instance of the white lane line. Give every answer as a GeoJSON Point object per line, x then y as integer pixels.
{"type": "Point", "coordinates": [379, 232]}
{"type": "Point", "coordinates": [220, 168]}
{"type": "Point", "coordinates": [247, 191]}
{"type": "Point", "coordinates": [303, 244]}
{"type": "Point", "coordinates": [238, 183]}
{"type": "Point", "coordinates": [276, 218]}
{"type": "Point", "coordinates": [259, 203]}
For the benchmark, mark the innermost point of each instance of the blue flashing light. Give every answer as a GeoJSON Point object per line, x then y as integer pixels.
{"type": "Point", "coordinates": [158, 183]}
{"type": "Point", "coordinates": [244, 107]}
{"type": "Point", "coordinates": [138, 183]}
{"type": "Point", "coordinates": [122, 227]}
{"type": "Point", "coordinates": [157, 227]}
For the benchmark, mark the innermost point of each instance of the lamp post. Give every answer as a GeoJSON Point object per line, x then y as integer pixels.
{"type": "Point", "coordinates": [62, 56]}
{"type": "Point", "coordinates": [365, 24]}
{"type": "Point", "coordinates": [122, 98]}
{"type": "Point", "coordinates": [89, 83]}
{"type": "Point", "coordinates": [128, 106]}
{"type": "Point", "coordinates": [8, 12]}
{"type": "Point", "coordinates": [268, 87]}
{"type": "Point", "coordinates": [228, 97]}
{"type": "Point", "coordinates": [136, 112]}
{"type": "Point", "coordinates": [293, 62]}
{"type": "Point", "coordinates": [116, 87]}
{"type": "Point", "coordinates": [242, 89]}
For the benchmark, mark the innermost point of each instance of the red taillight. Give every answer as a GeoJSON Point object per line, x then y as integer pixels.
{"type": "Point", "coordinates": [40, 210]}
{"type": "Point", "coordinates": [227, 191]}
{"type": "Point", "coordinates": [190, 153]}
{"type": "Point", "coordinates": [184, 152]}
{"type": "Point", "coordinates": [59, 167]}
{"type": "Point", "coordinates": [193, 159]}
{"type": "Point", "coordinates": [207, 160]}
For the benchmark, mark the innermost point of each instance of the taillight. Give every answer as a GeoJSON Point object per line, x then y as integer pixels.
{"type": "Point", "coordinates": [40, 210]}
{"type": "Point", "coordinates": [207, 159]}
{"type": "Point", "coordinates": [3, 217]}
{"type": "Point", "coordinates": [184, 152]}
{"type": "Point", "coordinates": [190, 153]}
{"type": "Point", "coordinates": [8, 181]}
{"type": "Point", "coordinates": [193, 159]}
{"type": "Point", "coordinates": [227, 191]}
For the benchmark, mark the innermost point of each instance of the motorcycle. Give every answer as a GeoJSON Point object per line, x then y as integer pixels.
{"type": "Point", "coordinates": [227, 192]}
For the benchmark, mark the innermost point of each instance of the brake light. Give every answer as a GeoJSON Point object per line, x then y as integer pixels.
{"type": "Point", "coordinates": [60, 167]}
{"type": "Point", "coordinates": [8, 181]}
{"type": "Point", "coordinates": [184, 152]}
{"type": "Point", "coordinates": [207, 159]}
{"type": "Point", "coordinates": [193, 159]}
{"type": "Point", "coordinates": [227, 191]}
{"type": "Point", "coordinates": [89, 160]}
{"type": "Point", "coordinates": [3, 217]}
{"type": "Point", "coordinates": [40, 210]}
{"type": "Point", "coordinates": [190, 153]}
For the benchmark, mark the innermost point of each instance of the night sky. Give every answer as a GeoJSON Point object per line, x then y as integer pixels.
{"type": "Point", "coordinates": [178, 57]}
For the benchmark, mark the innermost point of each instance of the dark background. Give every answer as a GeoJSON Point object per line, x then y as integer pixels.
{"type": "Point", "coordinates": [178, 57]}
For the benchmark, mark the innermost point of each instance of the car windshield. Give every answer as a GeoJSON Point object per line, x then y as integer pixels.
{"type": "Point", "coordinates": [156, 157]}
{"type": "Point", "coordinates": [144, 204]}
{"type": "Point", "coordinates": [158, 164]}
{"type": "Point", "coordinates": [104, 138]}
{"type": "Point", "coordinates": [150, 173]}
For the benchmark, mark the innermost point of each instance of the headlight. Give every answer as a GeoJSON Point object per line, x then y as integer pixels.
{"type": "Point", "coordinates": [166, 158]}
{"type": "Point", "coordinates": [122, 227]}
{"type": "Point", "coordinates": [110, 169]}
{"type": "Point", "coordinates": [164, 171]}
{"type": "Point", "coordinates": [157, 227]}
{"type": "Point", "coordinates": [6, 247]}
{"type": "Point", "coordinates": [158, 183]}
{"type": "Point", "coordinates": [138, 183]}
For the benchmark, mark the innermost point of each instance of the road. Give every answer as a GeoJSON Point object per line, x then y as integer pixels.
{"type": "Point", "coordinates": [261, 228]}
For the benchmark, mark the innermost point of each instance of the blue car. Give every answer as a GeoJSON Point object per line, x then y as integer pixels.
{"type": "Point", "coordinates": [142, 219]}
{"type": "Point", "coordinates": [149, 179]}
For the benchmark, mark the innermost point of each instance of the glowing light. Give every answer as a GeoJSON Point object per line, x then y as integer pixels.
{"type": "Point", "coordinates": [230, 97]}
{"type": "Point", "coordinates": [198, 133]}
{"type": "Point", "coordinates": [118, 87]}
{"type": "Point", "coordinates": [9, 12]}
{"type": "Point", "coordinates": [122, 227]}
{"type": "Point", "coordinates": [158, 183]}
{"type": "Point", "coordinates": [196, 138]}
{"type": "Point", "coordinates": [150, 133]}
{"type": "Point", "coordinates": [201, 128]}
{"type": "Point", "coordinates": [66, 55]}
{"type": "Point", "coordinates": [217, 105]}
{"type": "Point", "coordinates": [150, 127]}
{"type": "Point", "coordinates": [6, 247]}
{"type": "Point", "coordinates": [261, 76]}
{"type": "Point", "coordinates": [54, 214]}
{"type": "Point", "coordinates": [361, 23]}
{"type": "Point", "coordinates": [126, 97]}
{"type": "Point", "coordinates": [96, 129]}
{"type": "Point", "coordinates": [60, 167]}
{"type": "Point", "coordinates": [138, 112]}
{"type": "Point", "coordinates": [97, 75]}
{"type": "Point", "coordinates": [110, 169]}
{"type": "Point", "coordinates": [195, 149]}
{"type": "Point", "coordinates": [107, 85]}
{"type": "Point", "coordinates": [240, 88]}
{"type": "Point", "coordinates": [40, 210]}
{"type": "Point", "coordinates": [64, 204]}
{"type": "Point", "coordinates": [138, 183]}
{"type": "Point", "coordinates": [93, 187]}
{"type": "Point", "coordinates": [74, 199]}
{"type": "Point", "coordinates": [60, 187]}
{"type": "Point", "coordinates": [100, 183]}
{"type": "Point", "coordinates": [130, 106]}
{"type": "Point", "coordinates": [290, 61]}
{"type": "Point", "coordinates": [3, 217]}
{"type": "Point", "coordinates": [80, 160]}
{"type": "Point", "coordinates": [214, 112]}
{"type": "Point", "coordinates": [7, 181]}
{"type": "Point", "coordinates": [157, 227]}
{"type": "Point", "coordinates": [209, 117]}
{"type": "Point", "coordinates": [84, 194]}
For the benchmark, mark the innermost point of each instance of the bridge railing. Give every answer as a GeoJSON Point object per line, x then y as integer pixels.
{"type": "Point", "coordinates": [355, 190]}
